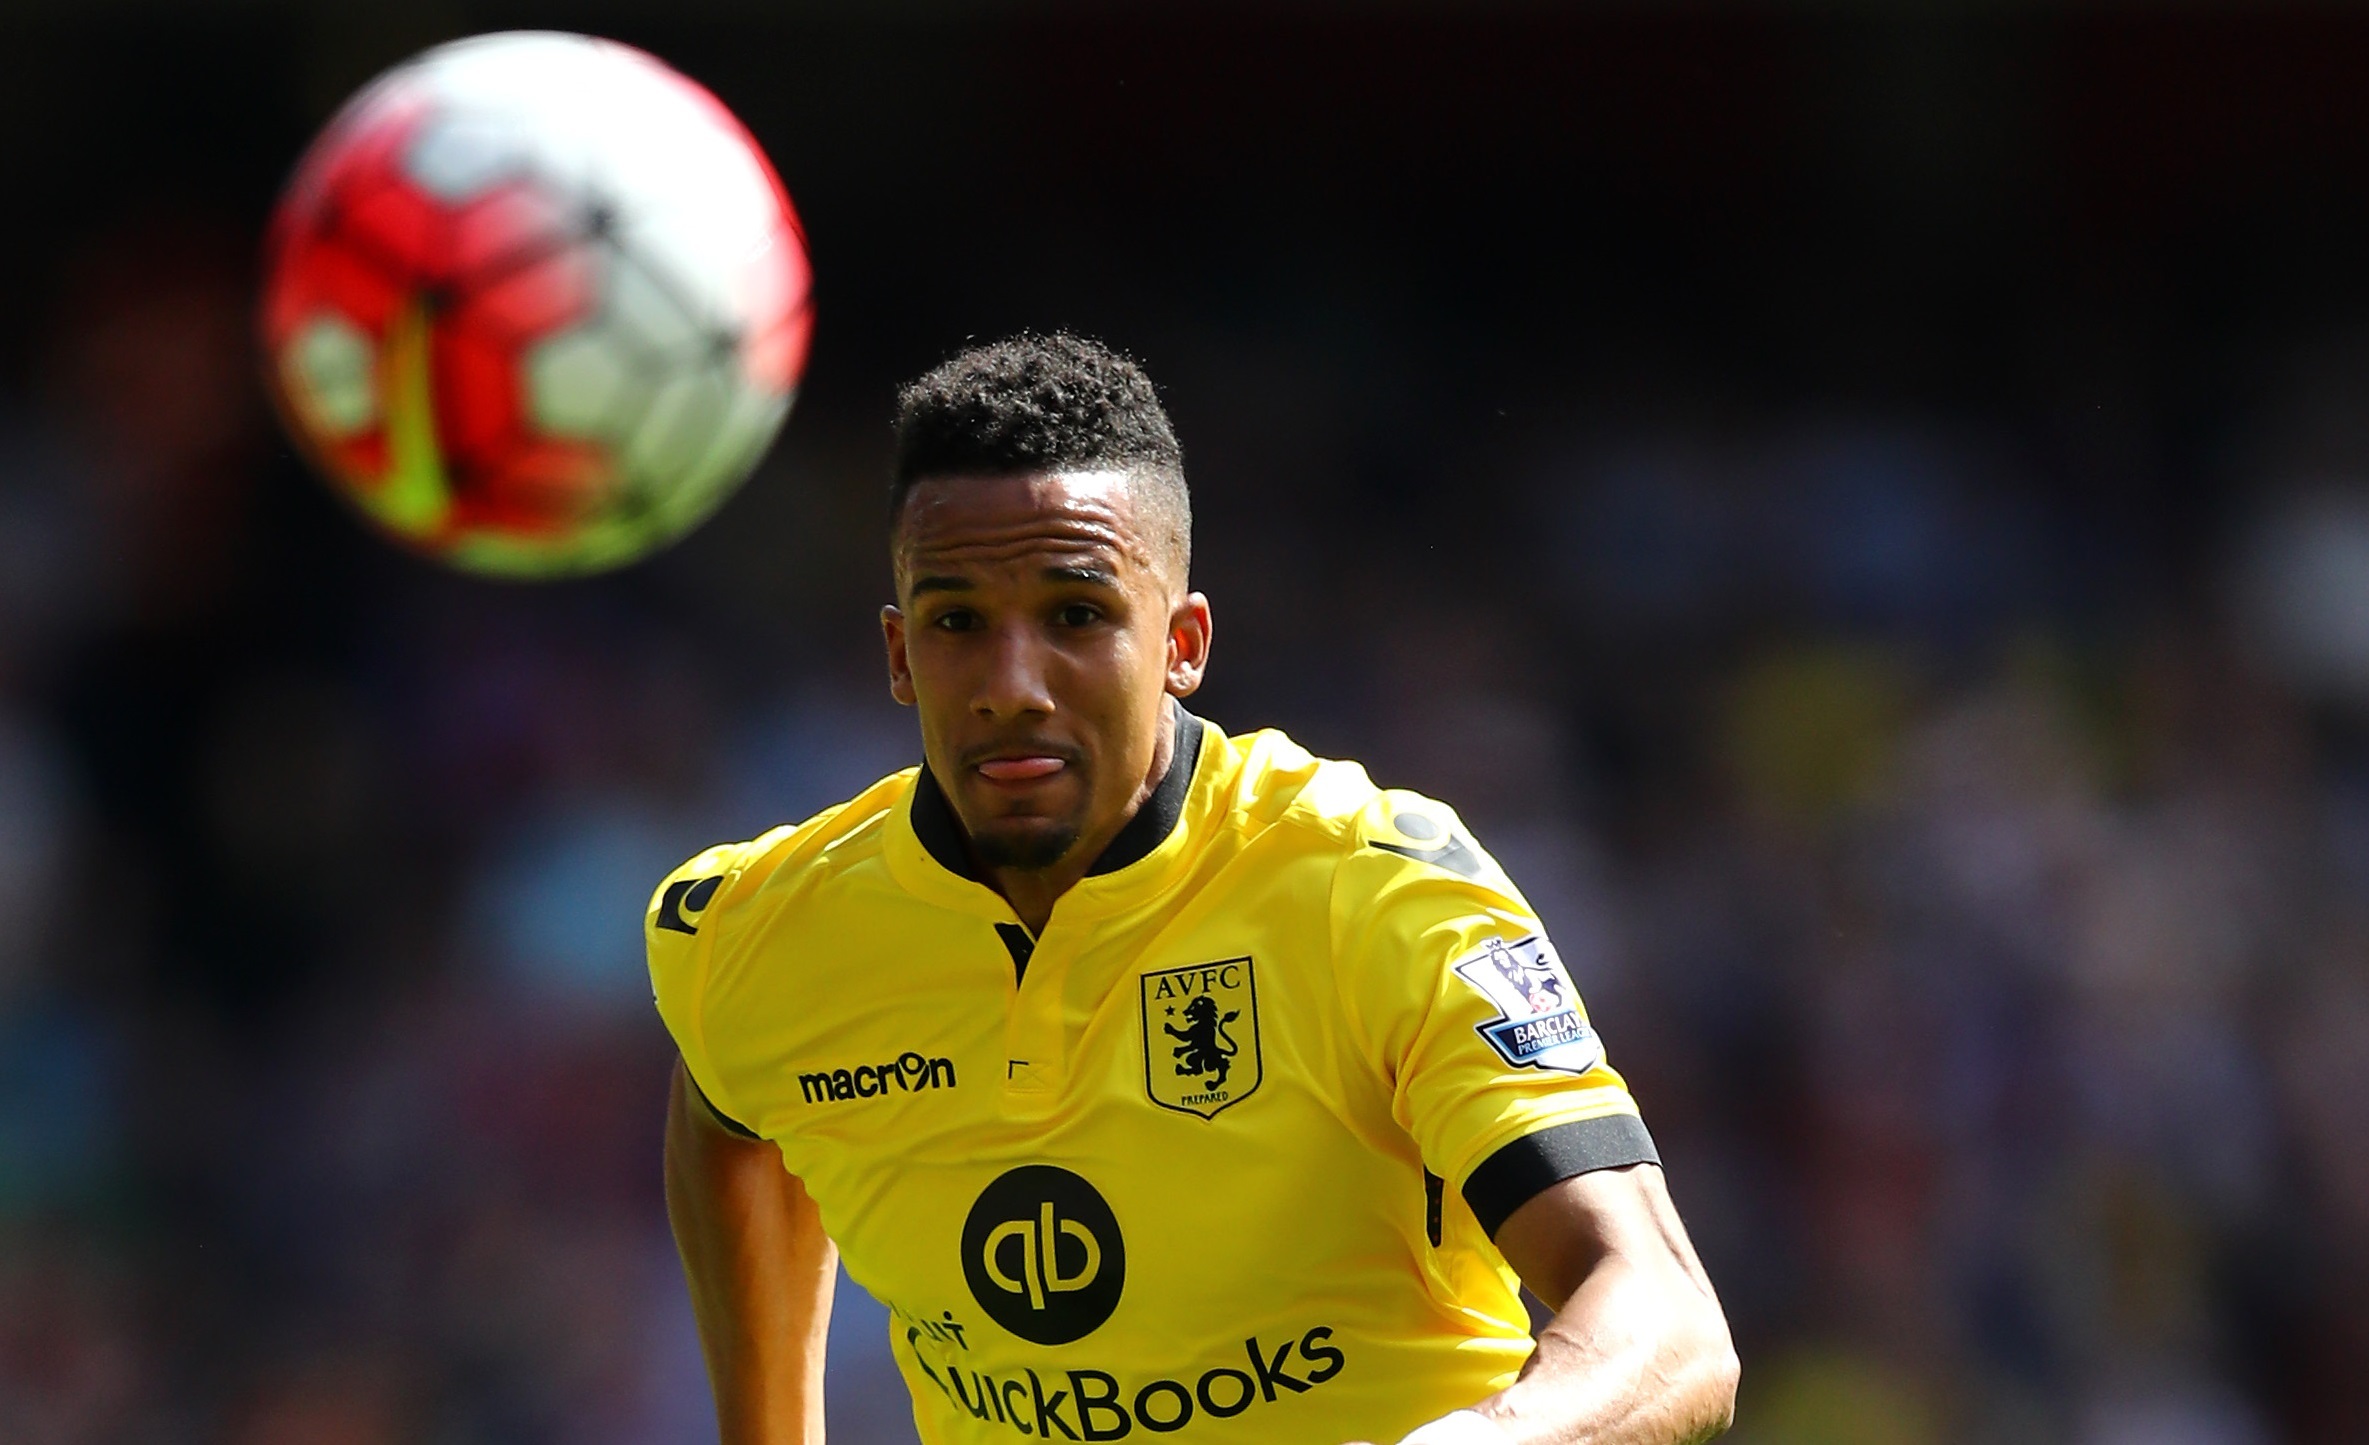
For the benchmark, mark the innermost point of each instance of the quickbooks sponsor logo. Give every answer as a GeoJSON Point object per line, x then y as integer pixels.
{"type": "Point", "coordinates": [908, 1073]}
{"type": "Point", "coordinates": [1086, 1404]}
{"type": "Point", "coordinates": [1043, 1254]}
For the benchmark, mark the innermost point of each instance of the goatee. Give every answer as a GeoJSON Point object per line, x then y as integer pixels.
{"type": "Point", "coordinates": [1026, 853]}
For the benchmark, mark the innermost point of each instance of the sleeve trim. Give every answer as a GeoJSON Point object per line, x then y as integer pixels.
{"type": "Point", "coordinates": [731, 1125]}
{"type": "Point", "coordinates": [1528, 1166]}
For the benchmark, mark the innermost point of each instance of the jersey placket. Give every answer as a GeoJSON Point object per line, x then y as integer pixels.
{"type": "Point", "coordinates": [1035, 1064]}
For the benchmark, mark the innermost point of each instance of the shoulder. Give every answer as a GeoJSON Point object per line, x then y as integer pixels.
{"type": "Point", "coordinates": [706, 920]}
{"type": "Point", "coordinates": [718, 889]}
{"type": "Point", "coordinates": [1380, 840]}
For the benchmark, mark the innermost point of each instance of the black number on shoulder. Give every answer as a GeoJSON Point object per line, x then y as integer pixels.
{"type": "Point", "coordinates": [1453, 854]}
{"type": "Point", "coordinates": [685, 898]}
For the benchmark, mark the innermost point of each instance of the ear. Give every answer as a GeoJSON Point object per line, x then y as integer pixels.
{"type": "Point", "coordinates": [900, 671]}
{"type": "Point", "coordinates": [1188, 645]}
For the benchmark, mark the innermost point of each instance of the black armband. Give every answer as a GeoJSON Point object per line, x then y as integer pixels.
{"type": "Point", "coordinates": [1525, 1168]}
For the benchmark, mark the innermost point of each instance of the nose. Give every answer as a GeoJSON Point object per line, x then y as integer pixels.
{"type": "Point", "coordinates": [1015, 682]}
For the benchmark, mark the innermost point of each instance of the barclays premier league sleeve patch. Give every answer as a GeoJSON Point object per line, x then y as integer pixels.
{"type": "Point", "coordinates": [1538, 1024]}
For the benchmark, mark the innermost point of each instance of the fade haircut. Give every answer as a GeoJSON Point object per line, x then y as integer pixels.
{"type": "Point", "coordinates": [1057, 403]}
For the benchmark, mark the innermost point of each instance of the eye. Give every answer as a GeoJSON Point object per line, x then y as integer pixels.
{"type": "Point", "coordinates": [955, 619]}
{"type": "Point", "coordinates": [1078, 614]}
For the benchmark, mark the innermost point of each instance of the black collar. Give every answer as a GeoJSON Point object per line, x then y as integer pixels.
{"type": "Point", "coordinates": [941, 832]}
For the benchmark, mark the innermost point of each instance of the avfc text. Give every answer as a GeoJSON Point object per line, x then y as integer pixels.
{"type": "Point", "coordinates": [908, 1073]}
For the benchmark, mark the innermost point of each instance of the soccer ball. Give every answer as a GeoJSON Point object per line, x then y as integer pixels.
{"type": "Point", "coordinates": [535, 302]}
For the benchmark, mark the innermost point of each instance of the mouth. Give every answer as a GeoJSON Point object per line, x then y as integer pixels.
{"type": "Point", "coordinates": [1020, 764]}
{"type": "Point", "coordinates": [1026, 769]}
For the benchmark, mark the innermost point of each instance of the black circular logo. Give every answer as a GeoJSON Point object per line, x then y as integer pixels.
{"type": "Point", "coordinates": [1043, 1255]}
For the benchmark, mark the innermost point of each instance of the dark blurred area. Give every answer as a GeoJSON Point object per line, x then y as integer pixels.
{"type": "Point", "coordinates": [1868, 517]}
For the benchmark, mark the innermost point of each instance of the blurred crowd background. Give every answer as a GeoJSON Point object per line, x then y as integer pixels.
{"type": "Point", "coordinates": [1867, 516]}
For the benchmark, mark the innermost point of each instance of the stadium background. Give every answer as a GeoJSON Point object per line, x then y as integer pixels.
{"type": "Point", "coordinates": [1868, 516]}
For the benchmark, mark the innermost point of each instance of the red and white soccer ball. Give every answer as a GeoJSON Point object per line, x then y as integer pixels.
{"type": "Point", "coordinates": [536, 303]}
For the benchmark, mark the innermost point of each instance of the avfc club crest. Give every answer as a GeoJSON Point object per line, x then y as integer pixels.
{"type": "Point", "coordinates": [1538, 1024]}
{"type": "Point", "coordinates": [1201, 1036]}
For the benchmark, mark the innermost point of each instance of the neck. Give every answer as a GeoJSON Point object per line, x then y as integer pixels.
{"type": "Point", "coordinates": [1033, 892]}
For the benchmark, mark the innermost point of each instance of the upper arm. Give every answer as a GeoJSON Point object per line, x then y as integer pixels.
{"type": "Point", "coordinates": [1565, 1232]}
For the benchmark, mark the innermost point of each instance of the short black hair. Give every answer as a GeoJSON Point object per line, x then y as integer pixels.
{"type": "Point", "coordinates": [1043, 403]}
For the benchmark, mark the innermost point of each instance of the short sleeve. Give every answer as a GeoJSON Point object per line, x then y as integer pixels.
{"type": "Point", "coordinates": [1459, 1001]}
{"type": "Point", "coordinates": [680, 929]}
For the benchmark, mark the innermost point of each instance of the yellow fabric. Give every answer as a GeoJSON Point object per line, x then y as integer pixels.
{"type": "Point", "coordinates": [1238, 1262]}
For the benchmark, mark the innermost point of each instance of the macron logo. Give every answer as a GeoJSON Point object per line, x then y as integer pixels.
{"type": "Point", "coordinates": [908, 1073]}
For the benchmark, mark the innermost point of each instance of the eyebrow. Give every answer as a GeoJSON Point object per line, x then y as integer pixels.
{"type": "Point", "coordinates": [949, 582]}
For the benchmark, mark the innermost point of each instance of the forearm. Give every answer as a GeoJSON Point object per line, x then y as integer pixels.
{"type": "Point", "coordinates": [760, 1271]}
{"type": "Point", "coordinates": [1638, 1353]}
{"type": "Point", "coordinates": [1636, 1356]}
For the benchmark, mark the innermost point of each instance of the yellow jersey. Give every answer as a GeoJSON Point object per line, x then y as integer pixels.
{"type": "Point", "coordinates": [1181, 1165]}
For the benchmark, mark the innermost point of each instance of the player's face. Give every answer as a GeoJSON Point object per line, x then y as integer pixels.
{"type": "Point", "coordinates": [1038, 633]}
